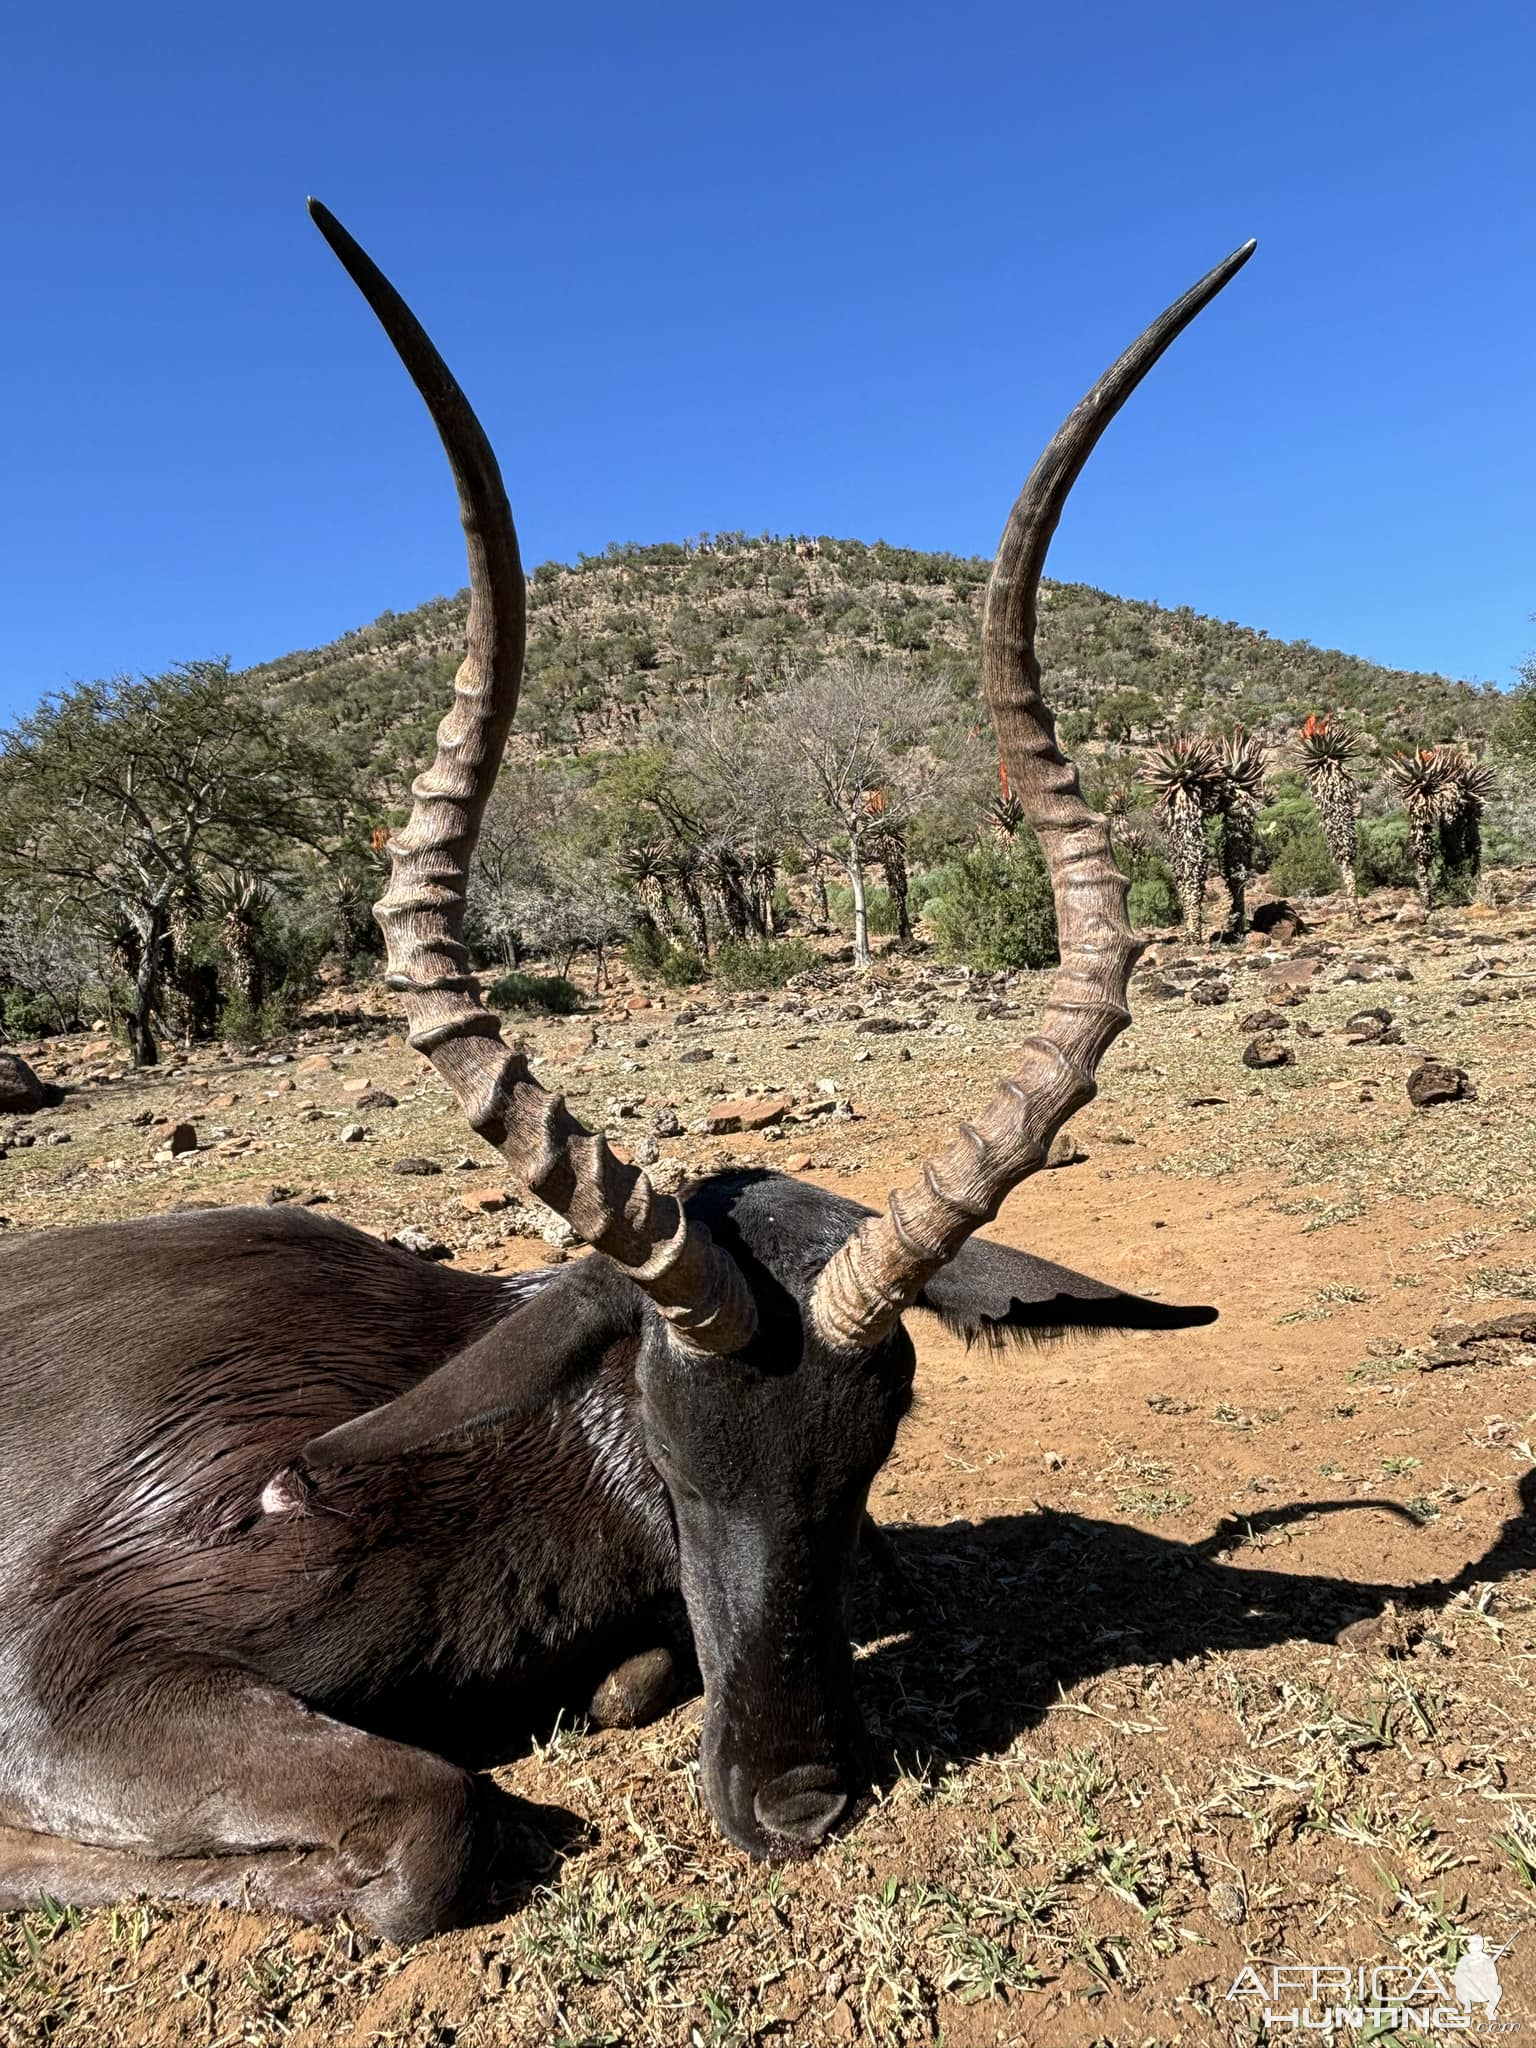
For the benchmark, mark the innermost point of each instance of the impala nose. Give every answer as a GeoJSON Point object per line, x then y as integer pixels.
{"type": "Point", "coordinates": [802, 1805]}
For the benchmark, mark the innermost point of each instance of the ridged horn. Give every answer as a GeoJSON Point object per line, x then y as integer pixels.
{"type": "Point", "coordinates": [613, 1206]}
{"type": "Point", "coordinates": [882, 1267]}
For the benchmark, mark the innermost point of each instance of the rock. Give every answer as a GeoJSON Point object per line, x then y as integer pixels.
{"type": "Point", "coordinates": [637, 1002]}
{"type": "Point", "coordinates": [179, 1139]}
{"type": "Point", "coordinates": [747, 1113]}
{"type": "Point", "coordinates": [1210, 992]}
{"type": "Point", "coordinates": [353, 1134]}
{"type": "Point", "coordinates": [1063, 1150]}
{"type": "Point", "coordinates": [695, 1056]}
{"type": "Point", "coordinates": [422, 1167]}
{"type": "Point", "coordinates": [21, 1092]}
{"type": "Point", "coordinates": [647, 1152]}
{"type": "Point", "coordinates": [317, 1063]}
{"type": "Point", "coordinates": [1267, 1051]}
{"type": "Point", "coordinates": [797, 1162]}
{"type": "Point", "coordinates": [485, 1201]}
{"type": "Point", "coordinates": [358, 1085]}
{"type": "Point", "coordinates": [1365, 1027]}
{"type": "Point", "coordinates": [414, 1239]}
{"type": "Point", "coordinates": [885, 1025]}
{"type": "Point", "coordinates": [1264, 1020]}
{"type": "Point", "coordinates": [376, 1098]}
{"type": "Point", "coordinates": [1278, 920]}
{"type": "Point", "coordinates": [1438, 1081]}
{"type": "Point", "coordinates": [276, 1196]}
{"type": "Point", "coordinates": [666, 1124]}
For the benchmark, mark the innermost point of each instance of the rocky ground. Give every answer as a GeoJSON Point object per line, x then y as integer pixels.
{"type": "Point", "coordinates": [1222, 1650]}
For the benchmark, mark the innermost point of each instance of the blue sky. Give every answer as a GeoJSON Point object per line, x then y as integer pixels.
{"type": "Point", "coordinates": [829, 267]}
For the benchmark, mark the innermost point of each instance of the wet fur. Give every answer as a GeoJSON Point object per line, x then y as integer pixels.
{"type": "Point", "coordinates": [492, 1537]}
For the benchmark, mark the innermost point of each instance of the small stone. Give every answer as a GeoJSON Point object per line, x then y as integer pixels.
{"type": "Point", "coordinates": [358, 1085]}
{"type": "Point", "coordinates": [353, 1134]}
{"type": "Point", "coordinates": [485, 1201]}
{"type": "Point", "coordinates": [1053, 1460]}
{"type": "Point", "coordinates": [1267, 1051]}
{"type": "Point", "coordinates": [376, 1098]}
{"type": "Point", "coordinates": [747, 1113]}
{"type": "Point", "coordinates": [1438, 1081]}
{"type": "Point", "coordinates": [423, 1168]}
{"type": "Point", "coordinates": [414, 1239]}
{"type": "Point", "coordinates": [695, 1056]}
{"type": "Point", "coordinates": [1063, 1150]}
{"type": "Point", "coordinates": [647, 1152]}
{"type": "Point", "coordinates": [1210, 992]}
{"type": "Point", "coordinates": [797, 1162]}
{"type": "Point", "coordinates": [181, 1138]}
{"type": "Point", "coordinates": [1228, 1903]}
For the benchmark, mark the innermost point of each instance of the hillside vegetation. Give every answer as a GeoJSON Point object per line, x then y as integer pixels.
{"type": "Point", "coordinates": [623, 638]}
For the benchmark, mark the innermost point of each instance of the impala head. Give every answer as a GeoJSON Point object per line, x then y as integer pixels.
{"type": "Point", "coordinates": [772, 1363]}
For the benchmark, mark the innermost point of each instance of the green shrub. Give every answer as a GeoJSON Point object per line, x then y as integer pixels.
{"type": "Point", "coordinates": [654, 957]}
{"type": "Point", "coordinates": [549, 992]}
{"type": "Point", "coordinates": [1304, 866]}
{"type": "Point", "coordinates": [993, 907]}
{"type": "Point", "coordinates": [738, 964]}
{"type": "Point", "coordinates": [1152, 898]}
{"type": "Point", "coordinates": [29, 1016]}
{"type": "Point", "coordinates": [877, 907]}
{"type": "Point", "coordinates": [1383, 858]}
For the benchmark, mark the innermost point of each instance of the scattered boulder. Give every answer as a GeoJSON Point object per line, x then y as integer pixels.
{"type": "Point", "coordinates": [1267, 1051]}
{"type": "Point", "coordinates": [695, 1056]}
{"type": "Point", "coordinates": [486, 1201]}
{"type": "Point", "coordinates": [179, 1139]}
{"type": "Point", "coordinates": [21, 1092]}
{"type": "Point", "coordinates": [647, 1152]}
{"type": "Point", "coordinates": [376, 1098]}
{"type": "Point", "coordinates": [1210, 992]}
{"type": "Point", "coordinates": [353, 1134]}
{"type": "Point", "coordinates": [1365, 1027]}
{"type": "Point", "coordinates": [747, 1113]}
{"type": "Point", "coordinates": [1438, 1081]}
{"type": "Point", "coordinates": [1264, 1020]}
{"type": "Point", "coordinates": [422, 1167]}
{"type": "Point", "coordinates": [1277, 920]}
{"type": "Point", "coordinates": [666, 1124]}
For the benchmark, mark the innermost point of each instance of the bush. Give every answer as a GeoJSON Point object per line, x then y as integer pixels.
{"type": "Point", "coordinates": [1152, 899]}
{"type": "Point", "coordinates": [738, 964]}
{"type": "Point", "coordinates": [993, 907]}
{"type": "Point", "coordinates": [655, 957]}
{"type": "Point", "coordinates": [1304, 866]}
{"type": "Point", "coordinates": [1289, 842]}
{"type": "Point", "coordinates": [549, 992]}
{"type": "Point", "coordinates": [877, 907]}
{"type": "Point", "coordinates": [1383, 859]}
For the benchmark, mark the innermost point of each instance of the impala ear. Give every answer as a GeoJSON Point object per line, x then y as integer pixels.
{"type": "Point", "coordinates": [991, 1293]}
{"type": "Point", "coordinates": [531, 1357]}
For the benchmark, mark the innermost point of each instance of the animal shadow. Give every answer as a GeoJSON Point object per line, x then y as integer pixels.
{"type": "Point", "coordinates": [1000, 1615]}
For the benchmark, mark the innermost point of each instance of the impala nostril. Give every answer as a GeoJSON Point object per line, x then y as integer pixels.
{"type": "Point", "coordinates": [802, 1805]}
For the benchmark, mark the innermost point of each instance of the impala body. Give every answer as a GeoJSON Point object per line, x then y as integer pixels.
{"type": "Point", "coordinates": [296, 1527]}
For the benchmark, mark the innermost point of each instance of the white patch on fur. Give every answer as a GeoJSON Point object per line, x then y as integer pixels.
{"type": "Point", "coordinates": [619, 1465]}
{"type": "Point", "coordinates": [278, 1496]}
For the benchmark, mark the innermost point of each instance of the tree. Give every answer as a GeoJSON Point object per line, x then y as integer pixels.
{"type": "Point", "coordinates": [117, 796]}
{"type": "Point", "coordinates": [1422, 781]}
{"type": "Point", "coordinates": [1183, 777]}
{"type": "Point", "coordinates": [1241, 789]}
{"type": "Point", "coordinates": [1328, 750]}
{"type": "Point", "coordinates": [846, 733]}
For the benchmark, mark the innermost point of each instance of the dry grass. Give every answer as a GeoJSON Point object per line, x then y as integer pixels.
{"type": "Point", "coordinates": [1241, 1668]}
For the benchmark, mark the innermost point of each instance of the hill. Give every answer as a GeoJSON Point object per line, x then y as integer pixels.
{"type": "Point", "coordinates": [620, 638]}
